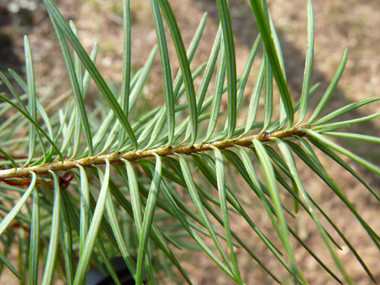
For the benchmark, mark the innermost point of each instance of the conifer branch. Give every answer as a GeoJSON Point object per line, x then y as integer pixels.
{"type": "Point", "coordinates": [161, 151]}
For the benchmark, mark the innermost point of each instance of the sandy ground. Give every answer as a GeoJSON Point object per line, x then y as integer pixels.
{"type": "Point", "coordinates": [338, 24]}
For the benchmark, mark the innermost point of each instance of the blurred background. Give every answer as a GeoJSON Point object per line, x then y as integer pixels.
{"type": "Point", "coordinates": [338, 24]}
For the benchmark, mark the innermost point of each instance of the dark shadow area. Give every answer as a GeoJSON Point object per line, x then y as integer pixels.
{"type": "Point", "coordinates": [94, 277]}
{"type": "Point", "coordinates": [245, 32]}
{"type": "Point", "coordinates": [17, 18]}
{"type": "Point", "coordinates": [8, 57]}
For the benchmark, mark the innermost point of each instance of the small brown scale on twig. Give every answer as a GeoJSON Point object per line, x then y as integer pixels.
{"type": "Point", "coordinates": [64, 181]}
